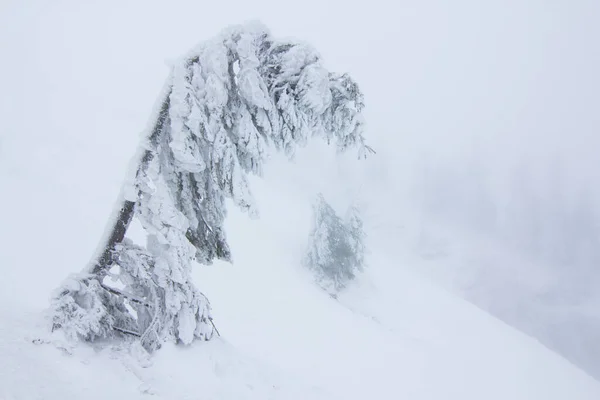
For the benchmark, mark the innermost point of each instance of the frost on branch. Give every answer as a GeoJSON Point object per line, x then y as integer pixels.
{"type": "Point", "coordinates": [227, 102]}
{"type": "Point", "coordinates": [336, 247]}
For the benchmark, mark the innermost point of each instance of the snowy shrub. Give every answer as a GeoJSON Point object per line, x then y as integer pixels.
{"type": "Point", "coordinates": [336, 247]}
{"type": "Point", "coordinates": [224, 105]}
{"type": "Point", "coordinates": [82, 313]}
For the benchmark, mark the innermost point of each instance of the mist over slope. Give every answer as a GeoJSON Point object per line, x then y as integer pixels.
{"type": "Point", "coordinates": [391, 334]}
{"type": "Point", "coordinates": [459, 106]}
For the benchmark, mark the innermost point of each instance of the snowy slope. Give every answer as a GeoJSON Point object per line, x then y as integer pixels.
{"type": "Point", "coordinates": [78, 85]}
{"type": "Point", "coordinates": [392, 335]}
{"type": "Point", "coordinates": [214, 370]}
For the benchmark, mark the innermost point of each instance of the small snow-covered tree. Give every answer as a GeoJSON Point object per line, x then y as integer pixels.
{"type": "Point", "coordinates": [336, 247]}
{"type": "Point", "coordinates": [355, 226]}
{"type": "Point", "coordinates": [224, 105]}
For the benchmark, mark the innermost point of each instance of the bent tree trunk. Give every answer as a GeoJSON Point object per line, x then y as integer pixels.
{"type": "Point", "coordinates": [119, 223]}
{"type": "Point", "coordinates": [88, 290]}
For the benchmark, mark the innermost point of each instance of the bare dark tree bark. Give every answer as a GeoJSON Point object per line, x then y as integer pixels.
{"type": "Point", "coordinates": [120, 223]}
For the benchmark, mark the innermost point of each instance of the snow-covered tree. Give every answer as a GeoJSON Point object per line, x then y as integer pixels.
{"type": "Point", "coordinates": [336, 247]}
{"type": "Point", "coordinates": [355, 226]}
{"type": "Point", "coordinates": [224, 106]}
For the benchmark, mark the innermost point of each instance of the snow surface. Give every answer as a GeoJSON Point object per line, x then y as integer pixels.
{"type": "Point", "coordinates": [78, 83]}
{"type": "Point", "coordinates": [391, 335]}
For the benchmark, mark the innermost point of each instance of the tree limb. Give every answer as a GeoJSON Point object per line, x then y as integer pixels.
{"type": "Point", "coordinates": [128, 296]}
{"type": "Point", "coordinates": [126, 331]}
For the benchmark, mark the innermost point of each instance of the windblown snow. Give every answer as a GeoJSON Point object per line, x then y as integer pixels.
{"type": "Point", "coordinates": [79, 81]}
